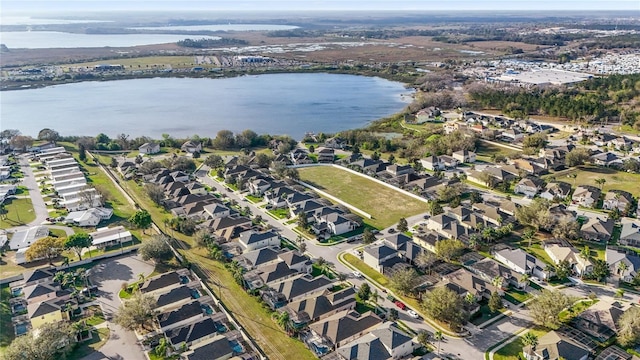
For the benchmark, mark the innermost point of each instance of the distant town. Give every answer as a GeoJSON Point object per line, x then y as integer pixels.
{"type": "Point", "coordinates": [496, 216]}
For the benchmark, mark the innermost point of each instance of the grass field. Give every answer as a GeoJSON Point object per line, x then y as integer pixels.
{"type": "Point", "coordinates": [6, 328]}
{"type": "Point", "coordinates": [366, 269]}
{"type": "Point", "coordinates": [148, 62]}
{"type": "Point", "coordinates": [485, 150]}
{"type": "Point", "coordinates": [385, 204]}
{"type": "Point", "coordinates": [19, 212]}
{"type": "Point", "coordinates": [587, 175]}
{"type": "Point", "coordinates": [513, 349]}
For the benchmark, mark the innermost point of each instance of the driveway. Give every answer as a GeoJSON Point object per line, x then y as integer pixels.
{"type": "Point", "coordinates": [109, 276]}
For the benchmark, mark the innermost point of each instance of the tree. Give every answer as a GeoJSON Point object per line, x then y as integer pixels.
{"type": "Point", "coordinates": [475, 197]}
{"type": "Point", "coordinates": [77, 242]}
{"type": "Point", "coordinates": [529, 235]}
{"type": "Point", "coordinates": [114, 163]}
{"type": "Point", "coordinates": [136, 313]}
{"type": "Point", "coordinates": [393, 314]}
{"type": "Point", "coordinates": [302, 247]}
{"type": "Point", "coordinates": [312, 149]}
{"type": "Point", "coordinates": [156, 249]}
{"type": "Point", "coordinates": [600, 270]}
{"type": "Point", "coordinates": [425, 260]}
{"type": "Point", "coordinates": [402, 225]}
{"type": "Point", "coordinates": [566, 228]}
{"type": "Point", "coordinates": [619, 294]}
{"type": "Point", "coordinates": [536, 215]}
{"type": "Point", "coordinates": [629, 327]}
{"type": "Point", "coordinates": [21, 142]}
{"type": "Point", "coordinates": [546, 307]}
{"type": "Point", "coordinates": [52, 341]}
{"type": "Point", "coordinates": [203, 237]}
{"type": "Point", "coordinates": [495, 302]}
{"type": "Point", "coordinates": [438, 336]}
{"type": "Point", "coordinates": [449, 249]}
{"type": "Point", "coordinates": [214, 161]}
{"type": "Point", "coordinates": [585, 253]}
{"type": "Point", "coordinates": [449, 193]}
{"type": "Point", "coordinates": [141, 219]}
{"type": "Point", "coordinates": [445, 305]}
{"type": "Point", "coordinates": [303, 222]}
{"type": "Point", "coordinates": [215, 252]}
{"type": "Point", "coordinates": [423, 338]}
{"type": "Point", "coordinates": [46, 248]}
{"type": "Point", "coordinates": [48, 135]}
{"type": "Point", "coordinates": [224, 140]}
{"type": "Point", "coordinates": [404, 280]}
{"type": "Point", "coordinates": [368, 237]}
{"type": "Point", "coordinates": [601, 182]}
{"type": "Point", "coordinates": [530, 339]}
{"type": "Point", "coordinates": [82, 153]}
{"type": "Point", "coordinates": [155, 192]}
{"type": "Point", "coordinates": [283, 320]}
{"type": "Point", "coordinates": [577, 156]}
{"type": "Point", "coordinates": [364, 292]}
{"type": "Point", "coordinates": [434, 208]}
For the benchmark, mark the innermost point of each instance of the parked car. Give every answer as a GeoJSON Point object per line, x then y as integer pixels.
{"type": "Point", "coordinates": [391, 298]}
{"type": "Point", "coordinates": [357, 275]}
{"type": "Point", "coordinates": [400, 304]}
{"type": "Point", "coordinates": [413, 314]}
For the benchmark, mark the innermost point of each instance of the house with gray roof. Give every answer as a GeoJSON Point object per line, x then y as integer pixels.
{"type": "Point", "coordinates": [618, 199]}
{"type": "Point", "coordinates": [630, 232]}
{"type": "Point", "coordinates": [187, 313]}
{"type": "Point", "coordinates": [22, 239]}
{"type": "Point", "coordinates": [597, 230]}
{"type": "Point", "coordinates": [252, 240]}
{"type": "Point", "coordinates": [617, 257]}
{"type": "Point", "coordinates": [522, 262]}
{"type": "Point", "coordinates": [149, 148]}
{"type": "Point", "coordinates": [299, 287]}
{"type": "Point", "coordinates": [554, 346]}
{"type": "Point", "coordinates": [316, 307]}
{"type": "Point", "coordinates": [215, 348]}
{"type": "Point", "coordinates": [600, 320]}
{"type": "Point", "coordinates": [191, 333]}
{"type": "Point", "coordinates": [489, 269]}
{"type": "Point", "coordinates": [464, 282]}
{"type": "Point", "coordinates": [378, 255]}
{"type": "Point", "coordinates": [385, 342]}
{"type": "Point", "coordinates": [529, 186]}
{"type": "Point", "coordinates": [586, 196]}
{"type": "Point", "coordinates": [345, 326]}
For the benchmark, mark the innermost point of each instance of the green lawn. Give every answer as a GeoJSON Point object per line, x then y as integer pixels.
{"type": "Point", "coordinates": [253, 199]}
{"type": "Point", "coordinates": [515, 296]}
{"type": "Point", "coordinates": [366, 269]}
{"type": "Point", "coordinates": [115, 199]}
{"type": "Point", "coordinates": [575, 310]}
{"type": "Point", "coordinates": [485, 150]}
{"type": "Point", "coordinates": [513, 349]}
{"type": "Point", "coordinates": [100, 337]}
{"type": "Point", "coordinates": [385, 204]}
{"type": "Point", "coordinates": [484, 315]}
{"type": "Point", "coordinates": [18, 212]}
{"type": "Point", "coordinates": [6, 328]}
{"type": "Point", "coordinates": [586, 175]}
{"type": "Point", "coordinates": [280, 213]}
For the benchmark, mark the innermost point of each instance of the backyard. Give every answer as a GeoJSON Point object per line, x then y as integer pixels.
{"type": "Point", "coordinates": [587, 175]}
{"type": "Point", "coordinates": [513, 349]}
{"type": "Point", "coordinates": [385, 204]}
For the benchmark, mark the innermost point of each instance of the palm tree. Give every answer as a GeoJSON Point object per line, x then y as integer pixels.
{"type": "Point", "coordinates": [529, 235]}
{"type": "Point", "coordinates": [497, 281]}
{"type": "Point", "coordinates": [525, 279]}
{"type": "Point", "coordinates": [161, 349]}
{"type": "Point", "coordinates": [622, 267]}
{"type": "Point", "coordinates": [283, 320]}
{"type": "Point", "coordinates": [530, 339]}
{"type": "Point", "coordinates": [438, 337]}
{"type": "Point", "coordinates": [216, 253]}
{"type": "Point", "coordinates": [79, 327]}
{"type": "Point", "coordinates": [585, 253]}
{"type": "Point", "coordinates": [573, 176]}
{"type": "Point", "coordinates": [601, 182]}
{"type": "Point", "coordinates": [374, 297]}
{"type": "Point", "coordinates": [469, 298]}
{"type": "Point", "coordinates": [619, 293]}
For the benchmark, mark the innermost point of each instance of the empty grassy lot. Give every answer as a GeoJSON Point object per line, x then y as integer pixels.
{"type": "Point", "coordinates": [385, 204]}
{"type": "Point", "coordinates": [18, 212]}
{"type": "Point", "coordinates": [587, 175]}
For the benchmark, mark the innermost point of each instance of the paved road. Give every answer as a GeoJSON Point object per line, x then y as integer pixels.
{"type": "Point", "coordinates": [109, 276]}
{"type": "Point", "coordinates": [29, 181]}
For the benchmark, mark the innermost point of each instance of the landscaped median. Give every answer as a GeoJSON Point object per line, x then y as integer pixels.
{"type": "Point", "coordinates": [382, 282]}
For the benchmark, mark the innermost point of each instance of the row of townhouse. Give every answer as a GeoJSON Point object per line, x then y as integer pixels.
{"type": "Point", "coordinates": [189, 320]}
{"type": "Point", "coordinates": [68, 181]}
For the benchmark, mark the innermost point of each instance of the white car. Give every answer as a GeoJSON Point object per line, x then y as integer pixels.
{"type": "Point", "coordinates": [413, 314]}
{"type": "Point", "coordinates": [357, 275]}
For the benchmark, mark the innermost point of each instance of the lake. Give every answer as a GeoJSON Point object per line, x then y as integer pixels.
{"type": "Point", "coordinates": [290, 104]}
{"type": "Point", "coordinates": [56, 39]}
{"type": "Point", "coordinates": [221, 27]}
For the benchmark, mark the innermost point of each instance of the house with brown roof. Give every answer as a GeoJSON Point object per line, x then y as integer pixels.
{"type": "Point", "coordinates": [600, 320]}
{"type": "Point", "coordinates": [556, 190]}
{"type": "Point", "coordinates": [529, 186]}
{"type": "Point", "coordinates": [555, 346]}
{"type": "Point", "coordinates": [464, 282]}
{"type": "Point", "coordinates": [597, 230]}
{"type": "Point", "coordinates": [319, 306]}
{"type": "Point", "coordinates": [586, 196]}
{"type": "Point", "coordinates": [562, 252]}
{"type": "Point", "coordinates": [618, 199]}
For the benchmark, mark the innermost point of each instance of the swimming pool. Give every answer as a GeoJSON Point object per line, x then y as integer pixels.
{"type": "Point", "coordinates": [16, 292]}
{"type": "Point", "coordinates": [235, 345]}
{"type": "Point", "coordinates": [195, 294]}
{"type": "Point", "coordinates": [220, 327]}
{"type": "Point", "coordinates": [22, 329]}
{"type": "Point", "coordinates": [207, 309]}
{"type": "Point", "coordinates": [19, 307]}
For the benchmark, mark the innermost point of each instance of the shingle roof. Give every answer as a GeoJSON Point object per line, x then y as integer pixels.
{"type": "Point", "coordinates": [175, 295]}
{"type": "Point", "coordinates": [191, 332]}
{"type": "Point", "coordinates": [184, 312]}
{"type": "Point", "coordinates": [160, 281]}
{"type": "Point", "coordinates": [344, 325]}
{"type": "Point", "coordinates": [218, 348]}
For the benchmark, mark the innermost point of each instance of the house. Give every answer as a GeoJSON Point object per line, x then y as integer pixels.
{"type": "Point", "coordinates": [618, 199]}
{"type": "Point", "coordinates": [228, 227]}
{"type": "Point", "coordinates": [91, 217]}
{"type": "Point", "coordinates": [630, 232]}
{"type": "Point", "coordinates": [47, 312]}
{"type": "Point", "coordinates": [149, 148]}
{"type": "Point", "coordinates": [448, 162]}
{"type": "Point", "coordinates": [529, 186]}
{"type": "Point", "coordinates": [600, 320]}
{"type": "Point", "coordinates": [326, 155]}
{"type": "Point", "coordinates": [625, 264]}
{"type": "Point", "coordinates": [175, 298]}
{"type": "Point", "coordinates": [555, 346]}
{"type": "Point", "coordinates": [606, 159]}
{"type": "Point", "coordinates": [385, 342]}
{"type": "Point", "coordinates": [335, 143]}
{"type": "Point", "coordinates": [463, 282]}
{"type": "Point", "coordinates": [614, 352]}
{"type": "Point", "coordinates": [191, 147]}
{"type": "Point", "coordinates": [597, 230]}
{"type": "Point", "coordinates": [22, 239]}
{"type": "Point", "coordinates": [277, 198]}
{"type": "Point", "coordinates": [333, 223]}
{"type": "Point", "coordinates": [528, 166]}
{"type": "Point", "coordinates": [368, 165]}
{"type": "Point", "coordinates": [558, 253]}
{"type": "Point", "coordinates": [427, 115]}
{"type": "Point", "coordinates": [187, 313]}
{"type": "Point", "coordinates": [522, 262]}
{"type": "Point", "coordinates": [345, 326]}
{"type": "Point", "coordinates": [464, 156]}
{"type": "Point", "coordinates": [490, 214]}
{"type": "Point", "coordinates": [164, 282]}
{"type": "Point", "coordinates": [432, 163]}
{"type": "Point", "coordinates": [560, 211]}
{"type": "Point", "coordinates": [586, 196]}
{"type": "Point", "coordinates": [192, 333]}
{"type": "Point", "coordinates": [38, 276]}
{"type": "Point", "coordinates": [252, 240]}
{"type": "Point", "coordinates": [216, 211]}
{"type": "Point", "coordinates": [512, 135]}
{"type": "Point", "coordinates": [380, 256]}
{"type": "Point", "coordinates": [300, 156]}
{"type": "Point", "coordinates": [215, 348]}
{"type": "Point", "coordinates": [299, 287]}
{"type": "Point", "coordinates": [556, 190]}
{"type": "Point", "coordinates": [399, 170]}
{"type": "Point", "coordinates": [316, 307]}
{"type": "Point", "coordinates": [489, 270]}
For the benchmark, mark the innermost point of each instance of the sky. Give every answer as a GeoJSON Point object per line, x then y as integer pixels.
{"type": "Point", "coordinates": [312, 5]}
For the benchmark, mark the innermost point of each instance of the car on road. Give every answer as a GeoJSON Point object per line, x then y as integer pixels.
{"type": "Point", "coordinates": [392, 230]}
{"type": "Point", "coordinates": [413, 314]}
{"type": "Point", "coordinates": [391, 298]}
{"type": "Point", "coordinates": [357, 275]}
{"type": "Point", "coordinates": [400, 304]}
